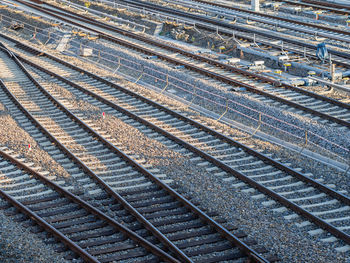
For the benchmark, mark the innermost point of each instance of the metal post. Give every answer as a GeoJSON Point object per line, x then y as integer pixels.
{"type": "Point", "coordinates": [256, 5]}
{"type": "Point", "coordinates": [99, 56]}
{"type": "Point", "coordinates": [34, 33]}
{"type": "Point", "coordinates": [217, 32]}
{"type": "Point", "coordinates": [48, 39]}
{"type": "Point", "coordinates": [167, 83]}
{"type": "Point", "coordinates": [222, 115]}
{"type": "Point", "coordinates": [257, 128]}
{"type": "Point", "coordinates": [305, 137]}
{"type": "Point", "coordinates": [347, 170]}
{"type": "Point", "coordinates": [333, 72]}
{"type": "Point", "coordinates": [193, 96]}
{"type": "Point", "coordinates": [305, 143]}
{"type": "Point", "coordinates": [143, 68]}
{"type": "Point", "coordinates": [118, 66]}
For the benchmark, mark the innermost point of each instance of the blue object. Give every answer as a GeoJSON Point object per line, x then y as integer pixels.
{"type": "Point", "coordinates": [322, 52]}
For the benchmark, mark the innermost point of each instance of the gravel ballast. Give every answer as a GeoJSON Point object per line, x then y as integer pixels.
{"type": "Point", "coordinates": [212, 193]}
{"type": "Point", "coordinates": [271, 230]}
{"type": "Point", "coordinates": [19, 245]}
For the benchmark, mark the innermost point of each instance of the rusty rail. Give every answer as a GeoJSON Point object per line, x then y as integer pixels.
{"type": "Point", "coordinates": [215, 161]}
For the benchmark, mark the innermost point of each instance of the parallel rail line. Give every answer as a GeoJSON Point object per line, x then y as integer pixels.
{"type": "Point", "coordinates": [57, 211]}
{"type": "Point", "coordinates": [221, 25]}
{"type": "Point", "coordinates": [212, 25]}
{"type": "Point", "coordinates": [256, 15]}
{"type": "Point", "coordinates": [222, 151]}
{"type": "Point", "coordinates": [298, 98]}
{"type": "Point", "coordinates": [135, 190]}
{"type": "Point", "coordinates": [328, 6]}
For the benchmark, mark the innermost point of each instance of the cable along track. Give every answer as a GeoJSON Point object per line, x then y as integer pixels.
{"type": "Point", "coordinates": [290, 22]}
{"type": "Point", "coordinates": [256, 35]}
{"type": "Point", "coordinates": [70, 219]}
{"type": "Point", "coordinates": [265, 38]}
{"type": "Point", "coordinates": [227, 158]}
{"type": "Point", "coordinates": [249, 34]}
{"type": "Point", "coordinates": [328, 6]}
{"type": "Point", "coordinates": [141, 190]}
{"type": "Point", "coordinates": [310, 29]}
{"type": "Point", "coordinates": [264, 89]}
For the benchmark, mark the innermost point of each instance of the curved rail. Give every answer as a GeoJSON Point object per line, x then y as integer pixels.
{"type": "Point", "coordinates": [214, 75]}
{"type": "Point", "coordinates": [261, 14]}
{"type": "Point", "coordinates": [62, 192]}
{"type": "Point", "coordinates": [225, 233]}
{"type": "Point", "coordinates": [241, 28]}
{"type": "Point", "coordinates": [328, 6]}
{"type": "Point", "coordinates": [221, 30]}
{"type": "Point", "coordinates": [219, 163]}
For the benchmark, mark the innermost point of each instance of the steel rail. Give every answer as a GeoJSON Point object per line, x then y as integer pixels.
{"type": "Point", "coordinates": [85, 255]}
{"type": "Point", "coordinates": [327, 3]}
{"type": "Point", "coordinates": [226, 33]}
{"type": "Point", "coordinates": [95, 177]}
{"type": "Point", "coordinates": [227, 67]}
{"type": "Point", "coordinates": [41, 222]}
{"type": "Point", "coordinates": [328, 6]}
{"type": "Point", "coordinates": [263, 157]}
{"type": "Point", "coordinates": [223, 166]}
{"type": "Point", "coordinates": [213, 74]}
{"type": "Point", "coordinates": [211, 62]}
{"type": "Point", "coordinates": [233, 26]}
{"type": "Point", "coordinates": [253, 255]}
{"type": "Point", "coordinates": [274, 17]}
{"type": "Point", "coordinates": [261, 18]}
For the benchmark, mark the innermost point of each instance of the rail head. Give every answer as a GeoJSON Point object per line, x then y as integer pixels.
{"type": "Point", "coordinates": [147, 224]}
{"type": "Point", "coordinates": [263, 157]}
{"type": "Point", "coordinates": [248, 250]}
{"type": "Point", "coordinates": [218, 76]}
{"type": "Point", "coordinates": [274, 195]}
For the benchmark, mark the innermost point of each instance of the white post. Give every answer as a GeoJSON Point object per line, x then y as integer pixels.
{"type": "Point", "coordinates": [256, 5]}
{"type": "Point", "coordinates": [332, 66]}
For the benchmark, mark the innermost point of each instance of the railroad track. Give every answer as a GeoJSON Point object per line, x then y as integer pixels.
{"type": "Point", "coordinates": [264, 89]}
{"type": "Point", "coordinates": [328, 6]}
{"type": "Point", "coordinates": [310, 29]}
{"type": "Point", "coordinates": [88, 232]}
{"type": "Point", "coordinates": [170, 217]}
{"type": "Point", "coordinates": [267, 39]}
{"type": "Point", "coordinates": [226, 158]}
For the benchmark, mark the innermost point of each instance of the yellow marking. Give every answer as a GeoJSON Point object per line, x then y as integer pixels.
{"type": "Point", "coordinates": [92, 38]}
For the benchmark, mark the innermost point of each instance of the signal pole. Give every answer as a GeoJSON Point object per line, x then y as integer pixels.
{"type": "Point", "coordinates": [256, 5]}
